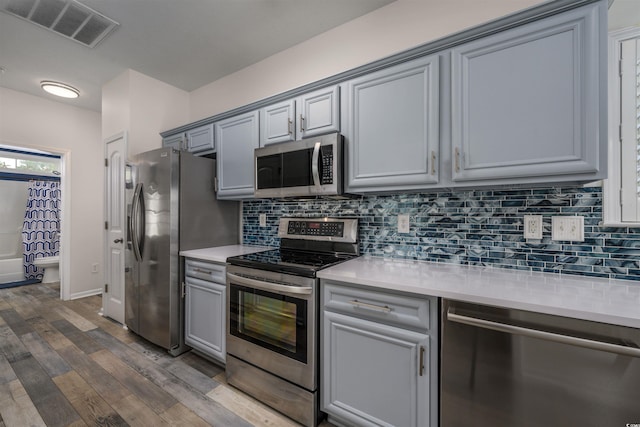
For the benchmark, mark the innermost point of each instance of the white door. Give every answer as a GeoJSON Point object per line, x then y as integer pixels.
{"type": "Point", "coordinates": [115, 227]}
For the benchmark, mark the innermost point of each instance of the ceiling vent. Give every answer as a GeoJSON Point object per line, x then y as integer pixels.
{"type": "Point", "coordinates": [67, 18]}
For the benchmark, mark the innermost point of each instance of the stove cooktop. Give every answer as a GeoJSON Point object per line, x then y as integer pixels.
{"type": "Point", "coordinates": [292, 262]}
{"type": "Point", "coordinates": [306, 246]}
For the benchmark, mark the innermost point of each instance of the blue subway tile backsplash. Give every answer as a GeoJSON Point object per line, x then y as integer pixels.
{"type": "Point", "coordinates": [475, 227]}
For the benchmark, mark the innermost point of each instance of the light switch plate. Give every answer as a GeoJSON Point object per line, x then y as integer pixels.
{"type": "Point", "coordinates": [567, 228]}
{"type": "Point", "coordinates": [533, 226]}
{"type": "Point", "coordinates": [403, 223]}
{"type": "Point", "coordinates": [263, 219]}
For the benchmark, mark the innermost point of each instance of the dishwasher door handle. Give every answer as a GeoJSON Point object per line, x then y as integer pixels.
{"type": "Point", "coordinates": [548, 336]}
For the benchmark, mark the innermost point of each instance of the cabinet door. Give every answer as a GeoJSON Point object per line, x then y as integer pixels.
{"type": "Point", "coordinates": [277, 123]}
{"type": "Point", "coordinates": [237, 139]}
{"type": "Point", "coordinates": [319, 112]}
{"type": "Point", "coordinates": [526, 102]}
{"type": "Point", "coordinates": [371, 373]}
{"type": "Point", "coordinates": [392, 128]}
{"type": "Point", "coordinates": [200, 140]}
{"type": "Point", "coordinates": [174, 141]}
{"type": "Point", "coordinates": [205, 316]}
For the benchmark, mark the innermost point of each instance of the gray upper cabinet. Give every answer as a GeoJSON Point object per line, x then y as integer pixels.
{"type": "Point", "coordinates": [391, 127]}
{"type": "Point", "coordinates": [519, 100]}
{"type": "Point", "coordinates": [277, 123]}
{"type": "Point", "coordinates": [319, 112]}
{"type": "Point", "coordinates": [176, 141]}
{"type": "Point", "coordinates": [237, 138]}
{"type": "Point", "coordinates": [528, 103]}
{"type": "Point", "coordinates": [199, 141]}
{"type": "Point", "coordinates": [311, 114]}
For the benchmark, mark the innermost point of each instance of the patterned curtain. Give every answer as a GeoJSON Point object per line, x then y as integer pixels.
{"type": "Point", "coordinates": [41, 225]}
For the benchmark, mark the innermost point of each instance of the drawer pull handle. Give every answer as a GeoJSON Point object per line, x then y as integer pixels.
{"type": "Point", "coordinates": [200, 270]}
{"type": "Point", "coordinates": [360, 304]}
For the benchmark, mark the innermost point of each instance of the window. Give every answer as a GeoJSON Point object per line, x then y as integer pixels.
{"type": "Point", "coordinates": [17, 162]}
{"type": "Point", "coordinates": [622, 189]}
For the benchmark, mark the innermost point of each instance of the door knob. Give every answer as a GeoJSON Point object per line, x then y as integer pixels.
{"type": "Point", "coordinates": [118, 241]}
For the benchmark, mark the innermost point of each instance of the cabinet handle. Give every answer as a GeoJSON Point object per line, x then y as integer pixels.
{"type": "Point", "coordinates": [301, 123]}
{"type": "Point", "coordinates": [360, 304]}
{"type": "Point", "coordinates": [199, 270]}
{"type": "Point", "coordinates": [421, 367]}
{"type": "Point", "coordinates": [289, 123]}
{"type": "Point", "coordinates": [433, 163]}
{"type": "Point", "coordinates": [457, 159]}
{"type": "Point", "coordinates": [183, 291]}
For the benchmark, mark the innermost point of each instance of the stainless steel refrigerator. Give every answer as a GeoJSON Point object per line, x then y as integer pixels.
{"type": "Point", "coordinates": [171, 206]}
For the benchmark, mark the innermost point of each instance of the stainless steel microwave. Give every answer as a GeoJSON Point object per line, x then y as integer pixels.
{"type": "Point", "coordinates": [308, 167]}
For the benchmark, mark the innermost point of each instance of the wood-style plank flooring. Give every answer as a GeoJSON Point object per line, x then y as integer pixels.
{"type": "Point", "coordinates": [62, 364]}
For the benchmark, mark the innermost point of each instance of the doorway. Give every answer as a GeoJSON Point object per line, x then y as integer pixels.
{"type": "Point", "coordinates": [29, 155]}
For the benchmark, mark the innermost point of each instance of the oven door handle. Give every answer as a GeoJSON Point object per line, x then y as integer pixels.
{"type": "Point", "coordinates": [268, 286]}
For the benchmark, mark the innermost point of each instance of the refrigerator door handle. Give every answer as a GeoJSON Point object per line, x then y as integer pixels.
{"type": "Point", "coordinates": [136, 220]}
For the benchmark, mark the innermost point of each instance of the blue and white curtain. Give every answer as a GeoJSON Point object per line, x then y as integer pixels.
{"type": "Point", "coordinates": [41, 225]}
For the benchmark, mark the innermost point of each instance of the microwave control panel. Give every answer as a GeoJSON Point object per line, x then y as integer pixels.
{"type": "Point", "coordinates": [327, 164]}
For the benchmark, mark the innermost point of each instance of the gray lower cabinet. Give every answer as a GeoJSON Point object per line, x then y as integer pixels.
{"type": "Point", "coordinates": [199, 141]}
{"type": "Point", "coordinates": [379, 357]}
{"type": "Point", "coordinates": [237, 137]}
{"type": "Point", "coordinates": [528, 104]}
{"type": "Point", "coordinates": [391, 128]}
{"type": "Point", "coordinates": [311, 114]}
{"type": "Point", "coordinates": [205, 308]}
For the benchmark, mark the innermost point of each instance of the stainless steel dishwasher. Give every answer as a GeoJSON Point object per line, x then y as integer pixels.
{"type": "Point", "coordinates": [502, 367]}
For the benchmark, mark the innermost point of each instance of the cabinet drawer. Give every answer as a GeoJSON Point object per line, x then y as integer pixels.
{"type": "Point", "coordinates": [377, 305]}
{"type": "Point", "coordinates": [205, 271]}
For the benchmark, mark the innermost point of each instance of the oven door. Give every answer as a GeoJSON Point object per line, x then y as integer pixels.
{"type": "Point", "coordinates": [271, 323]}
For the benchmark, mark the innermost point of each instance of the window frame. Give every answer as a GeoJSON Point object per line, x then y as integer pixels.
{"type": "Point", "coordinates": [612, 186]}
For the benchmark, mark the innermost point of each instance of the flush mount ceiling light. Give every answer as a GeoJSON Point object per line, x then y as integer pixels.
{"type": "Point", "coordinates": [59, 89]}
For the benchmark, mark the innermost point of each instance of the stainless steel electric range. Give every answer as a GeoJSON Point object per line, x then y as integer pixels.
{"type": "Point", "coordinates": [273, 314]}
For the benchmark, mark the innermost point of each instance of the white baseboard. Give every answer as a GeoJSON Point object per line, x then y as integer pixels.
{"type": "Point", "coordinates": [84, 294]}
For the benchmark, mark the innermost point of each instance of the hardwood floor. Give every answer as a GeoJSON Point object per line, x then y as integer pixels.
{"type": "Point", "coordinates": [62, 364]}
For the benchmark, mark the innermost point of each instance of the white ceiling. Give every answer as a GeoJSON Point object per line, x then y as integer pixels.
{"type": "Point", "coordinates": [186, 43]}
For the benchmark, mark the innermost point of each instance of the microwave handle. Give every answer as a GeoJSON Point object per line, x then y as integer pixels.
{"type": "Point", "coordinates": [314, 164]}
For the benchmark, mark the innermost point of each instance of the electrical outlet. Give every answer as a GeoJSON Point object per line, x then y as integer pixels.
{"type": "Point", "coordinates": [263, 220]}
{"type": "Point", "coordinates": [567, 228]}
{"type": "Point", "coordinates": [533, 226]}
{"type": "Point", "coordinates": [403, 223]}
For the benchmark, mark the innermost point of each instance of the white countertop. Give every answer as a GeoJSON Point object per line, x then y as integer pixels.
{"type": "Point", "coordinates": [602, 300]}
{"type": "Point", "coordinates": [221, 253]}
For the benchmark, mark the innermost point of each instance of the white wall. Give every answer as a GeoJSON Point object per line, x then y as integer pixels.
{"type": "Point", "coordinates": [396, 27]}
{"type": "Point", "coordinates": [14, 201]}
{"type": "Point", "coordinates": [143, 107]}
{"type": "Point", "coordinates": [30, 121]}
